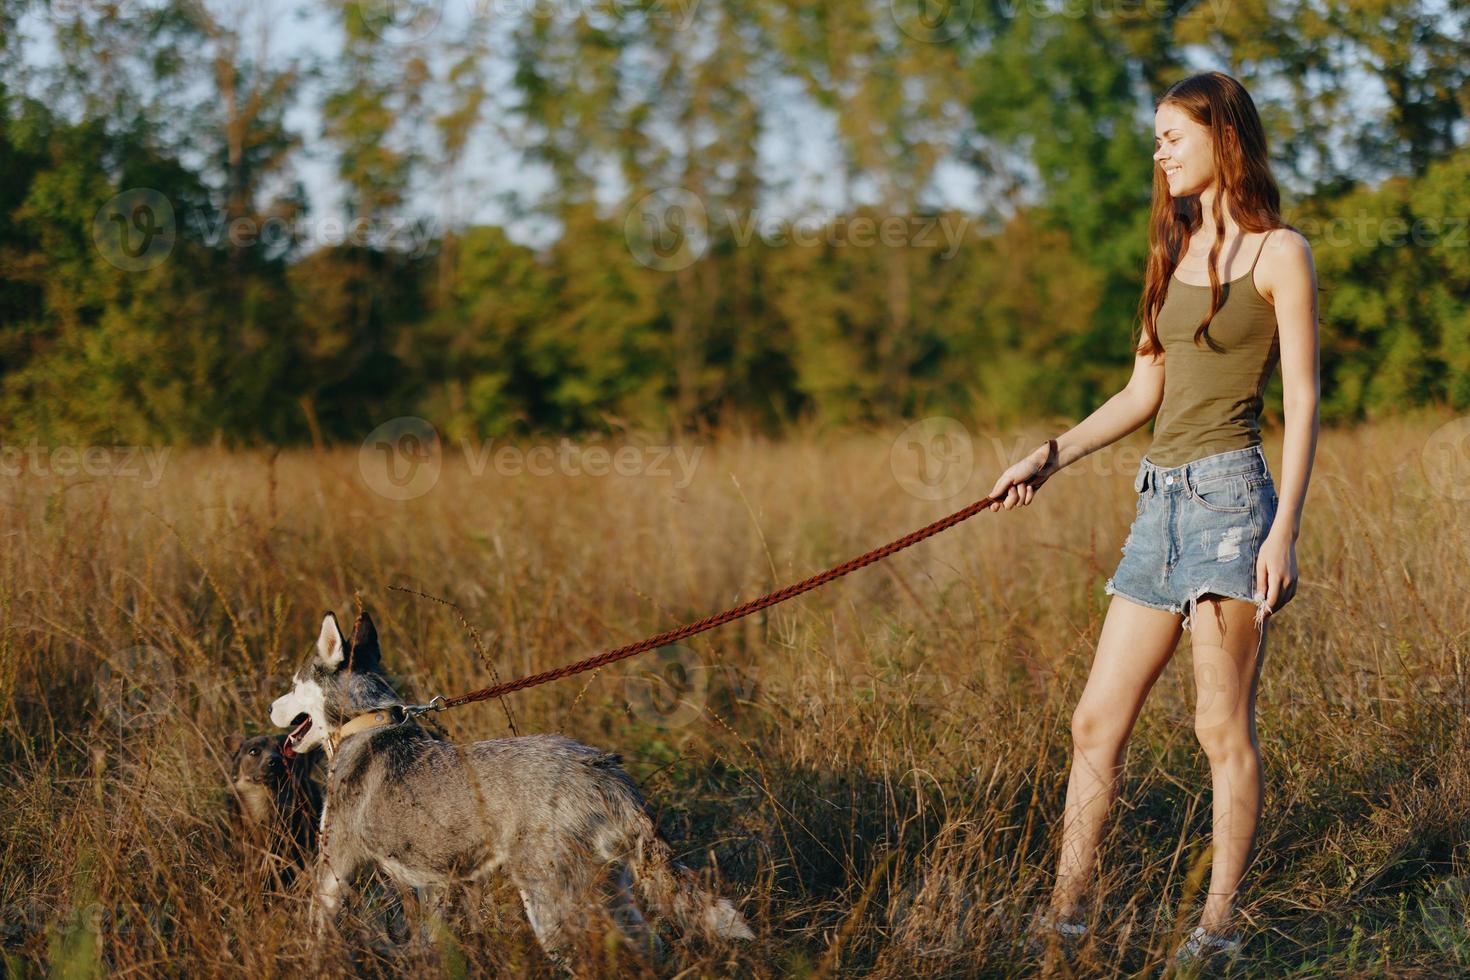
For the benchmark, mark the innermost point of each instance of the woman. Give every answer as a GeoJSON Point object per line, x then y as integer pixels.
{"type": "Point", "coordinates": [1230, 290]}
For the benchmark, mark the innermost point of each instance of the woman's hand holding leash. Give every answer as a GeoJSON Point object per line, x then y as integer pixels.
{"type": "Point", "coordinates": [1023, 479]}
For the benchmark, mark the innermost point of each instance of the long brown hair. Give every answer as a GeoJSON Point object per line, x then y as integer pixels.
{"type": "Point", "coordinates": [1221, 104]}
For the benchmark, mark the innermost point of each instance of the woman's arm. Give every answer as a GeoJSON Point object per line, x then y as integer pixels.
{"type": "Point", "coordinates": [1114, 419]}
{"type": "Point", "coordinates": [1292, 287]}
{"type": "Point", "coordinates": [1292, 283]}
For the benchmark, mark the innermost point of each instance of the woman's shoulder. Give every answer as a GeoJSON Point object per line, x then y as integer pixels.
{"type": "Point", "coordinates": [1286, 258]}
{"type": "Point", "coordinates": [1284, 245]}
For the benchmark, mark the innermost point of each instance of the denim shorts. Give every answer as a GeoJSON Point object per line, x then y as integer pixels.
{"type": "Point", "coordinates": [1197, 531]}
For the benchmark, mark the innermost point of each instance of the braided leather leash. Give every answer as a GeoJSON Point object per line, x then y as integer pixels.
{"type": "Point", "coordinates": [729, 615]}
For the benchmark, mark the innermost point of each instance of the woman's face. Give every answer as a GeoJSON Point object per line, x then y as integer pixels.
{"type": "Point", "coordinates": [1182, 151]}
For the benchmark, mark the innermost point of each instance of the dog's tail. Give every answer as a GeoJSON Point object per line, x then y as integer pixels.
{"type": "Point", "coordinates": [673, 890]}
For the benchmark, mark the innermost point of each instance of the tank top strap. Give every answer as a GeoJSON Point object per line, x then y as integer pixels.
{"type": "Point", "coordinates": [1259, 251]}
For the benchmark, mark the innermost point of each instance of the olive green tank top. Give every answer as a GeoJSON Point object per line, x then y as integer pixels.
{"type": "Point", "coordinates": [1212, 401]}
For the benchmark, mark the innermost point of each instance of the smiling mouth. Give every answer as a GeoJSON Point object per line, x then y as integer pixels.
{"type": "Point", "coordinates": [301, 722]}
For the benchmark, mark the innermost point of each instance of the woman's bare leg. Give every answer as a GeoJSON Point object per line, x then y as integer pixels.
{"type": "Point", "coordinates": [1135, 646]}
{"type": "Point", "coordinates": [1227, 669]}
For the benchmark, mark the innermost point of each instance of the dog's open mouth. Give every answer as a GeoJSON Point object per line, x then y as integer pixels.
{"type": "Point", "coordinates": [300, 724]}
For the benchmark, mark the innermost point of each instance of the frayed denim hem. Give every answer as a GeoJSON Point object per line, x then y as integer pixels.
{"type": "Point", "coordinates": [1110, 589]}
{"type": "Point", "coordinates": [1192, 603]}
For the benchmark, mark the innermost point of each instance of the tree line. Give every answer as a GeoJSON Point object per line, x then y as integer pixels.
{"type": "Point", "coordinates": [155, 284]}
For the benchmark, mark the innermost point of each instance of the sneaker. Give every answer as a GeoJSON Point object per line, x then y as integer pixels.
{"type": "Point", "coordinates": [1046, 924]}
{"type": "Point", "coordinates": [1200, 945]}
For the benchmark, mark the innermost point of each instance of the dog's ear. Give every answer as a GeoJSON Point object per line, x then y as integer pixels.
{"type": "Point", "coordinates": [233, 741]}
{"type": "Point", "coordinates": [331, 644]}
{"type": "Point", "coordinates": [364, 650]}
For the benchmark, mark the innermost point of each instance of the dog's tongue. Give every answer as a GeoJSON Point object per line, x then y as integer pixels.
{"type": "Point", "coordinates": [288, 750]}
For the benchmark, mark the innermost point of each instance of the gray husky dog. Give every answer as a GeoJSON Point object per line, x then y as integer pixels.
{"type": "Point", "coordinates": [553, 814]}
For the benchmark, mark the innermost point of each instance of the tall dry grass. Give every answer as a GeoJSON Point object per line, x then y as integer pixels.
{"type": "Point", "coordinates": [876, 770]}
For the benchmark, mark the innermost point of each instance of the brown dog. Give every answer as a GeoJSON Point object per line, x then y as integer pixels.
{"type": "Point", "coordinates": [275, 800]}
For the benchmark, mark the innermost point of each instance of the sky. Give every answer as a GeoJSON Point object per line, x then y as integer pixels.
{"type": "Point", "coordinates": [796, 147]}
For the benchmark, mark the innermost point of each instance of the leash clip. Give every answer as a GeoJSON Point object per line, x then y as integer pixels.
{"type": "Point", "coordinates": [411, 711]}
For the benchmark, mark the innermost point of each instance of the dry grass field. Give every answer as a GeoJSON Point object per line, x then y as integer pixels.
{"type": "Point", "coordinates": [876, 770]}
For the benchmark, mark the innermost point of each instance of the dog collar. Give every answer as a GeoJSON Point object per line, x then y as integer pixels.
{"type": "Point", "coordinates": [362, 723]}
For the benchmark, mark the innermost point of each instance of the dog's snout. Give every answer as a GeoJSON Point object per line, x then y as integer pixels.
{"type": "Point", "coordinates": [281, 711]}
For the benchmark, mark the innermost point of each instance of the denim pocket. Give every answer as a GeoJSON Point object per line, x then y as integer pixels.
{"type": "Point", "coordinates": [1229, 494]}
{"type": "Point", "coordinates": [1139, 482]}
